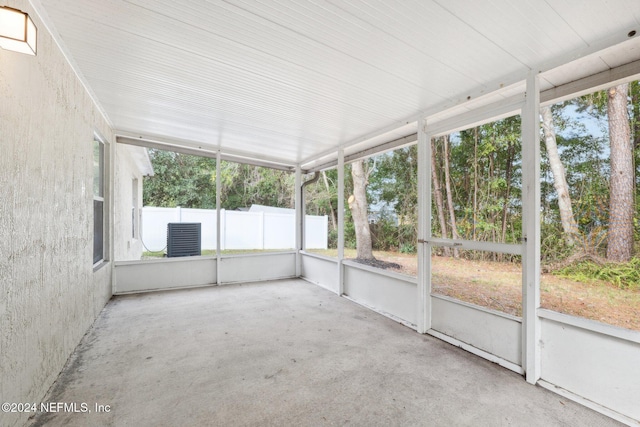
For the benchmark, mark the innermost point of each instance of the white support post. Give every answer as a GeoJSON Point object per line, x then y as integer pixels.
{"type": "Point", "coordinates": [109, 207]}
{"type": "Point", "coordinates": [531, 230]}
{"type": "Point", "coordinates": [218, 216]}
{"type": "Point", "coordinates": [299, 213]}
{"type": "Point", "coordinates": [424, 228]}
{"type": "Point", "coordinates": [340, 221]}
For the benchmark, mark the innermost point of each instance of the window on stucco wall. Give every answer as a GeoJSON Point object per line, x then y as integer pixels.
{"type": "Point", "coordinates": [98, 201]}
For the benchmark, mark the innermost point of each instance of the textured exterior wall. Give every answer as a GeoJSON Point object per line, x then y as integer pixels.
{"type": "Point", "coordinates": [49, 293]}
{"type": "Point", "coordinates": [126, 247]}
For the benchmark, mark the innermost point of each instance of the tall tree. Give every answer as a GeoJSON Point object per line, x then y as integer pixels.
{"type": "Point", "coordinates": [359, 210]}
{"type": "Point", "coordinates": [508, 176]}
{"type": "Point", "coordinates": [447, 180]}
{"type": "Point", "coordinates": [475, 183]}
{"type": "Point", "coordinates": [334, 221]}
{"type": "Point", "coordinates": [621, 203]}
{"type": "Point", "coordinates": [567, 219]}
{"type": "Point", "coordinates": [437, 191]}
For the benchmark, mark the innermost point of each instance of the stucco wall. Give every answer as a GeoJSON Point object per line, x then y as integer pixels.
{"type": "Point", "coordinates": [126, 246]}
{"type": "Point", "coordinates": [49, 293]}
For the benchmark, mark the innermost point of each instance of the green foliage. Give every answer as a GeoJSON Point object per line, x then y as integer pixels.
{"type": "Point", "coordinates": [246, 185]}
{"type": "Point", "coordinates": [349, 235]}
{"type": "Point", "coordinates": [180, 180]}
{"type": "Point", "coordinates": [553, 246]}
{"type": "Point", "coordinates": [486, 181]}
{"type": "Point", "coordinates": [407, 248]}
{"type": "Point", "coordinates": [388, 236]}
{"type": "Point", "coordinates": [625, 275]}
{"type": "Point", "coordinates": [394, 183]}
{"type": "Point", "coordinates": [321, 198]}
{"type": "Point", "coordinates": [190, 181]}
{"type": "Point", "coordinates": [384, 234]}
{"type": "Point", "coordinates": [332, 240]}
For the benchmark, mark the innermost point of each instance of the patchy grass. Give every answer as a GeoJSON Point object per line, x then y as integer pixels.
{"type": "Point", "coordinates": [498, 286]}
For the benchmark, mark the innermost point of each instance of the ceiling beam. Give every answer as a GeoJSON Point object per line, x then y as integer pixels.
{"type": "Point", "coordinates": [203, 152]}
{"type": "Point", "coordinates": [592, 83]}
{"type": "Point", "coordinates": [387, 146]}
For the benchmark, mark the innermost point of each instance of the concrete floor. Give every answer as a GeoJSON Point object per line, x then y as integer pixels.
{"type": "Point", "coordinates": [285, 353]}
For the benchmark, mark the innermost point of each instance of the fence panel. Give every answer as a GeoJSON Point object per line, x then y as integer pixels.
{"type": "Point", "coordinates": [316, 229]}
{"type": "Point", "coordinates": [279, 231]}
{"type": "Point", "coordinates": [243, 230]}
{"type": "Point", "coordinates": [239, 230]}
{"type": "Point", "coordinates": [154, 227]}
{"type": "Point", "coordinates": [207, 218]}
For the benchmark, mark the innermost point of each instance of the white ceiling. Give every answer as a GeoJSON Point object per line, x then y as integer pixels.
{"type": "Point", "coordinates": [293, 80]}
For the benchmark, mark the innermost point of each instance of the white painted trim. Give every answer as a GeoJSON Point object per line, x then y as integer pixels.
{"type": "Point", "coordinates": [478, 307]}
{"type": "Point", "coordinates": [164, 260]}
{"type": "Point", "coordinates": [218, 213]}
{"type": "Point", "coordinates": [531, 358]}
{"type": "Point", "coordinates": [202, 257]}
{"type": "Point", "coordinates": [384, 313]}
{"type": "Point", "coordinates": [202, 149]}
{"type": "Point", "coordinates": [329, 153]}
{"type": "Point", "coordinates": [306, 279]}
{"type": "Point", "coordinates": [592, 83]}
{"type": "Point", "coordinates": [255, 268]}
{"type": "Point", "coordinates": [391, 274]}
{"type": "Point", "coordinates": [593, 47]}
{"type": "Point", "coordinates": [424, 227]}
{"type": "Point", "coordinates": [322, 257]}
{"type": "Point", "coordinates": [471, 349]}
{"type": "Point", "coordinates": [299, 211]}
{"type": "Point", "coordinates": [488, 113]}
{"type": "Point", "coordinates": [506, 248]}
{"type": "Point", "coordinates": [340, 271]}
{"type": "Point", "coordinates": [271, 279]}
{"type": "Point", "coordinates": [590, 325]}
{"type": "Point", "coordinates": [257, 254]}
{"type": "Point", "coordinates": [395, 144]}
{"type": "Point", "coordinates": [589, 403]}
{"type": "Point", "coordinates": [320, 270]}
{"type": "Point", "coordinates": [175, 288]}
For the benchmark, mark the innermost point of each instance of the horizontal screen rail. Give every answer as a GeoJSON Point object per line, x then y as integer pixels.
{"type": "Point", "coordinates": [505, 248]}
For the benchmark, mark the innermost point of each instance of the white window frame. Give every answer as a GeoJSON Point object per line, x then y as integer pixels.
{"type": "Point", "coordinates": [99, 197]}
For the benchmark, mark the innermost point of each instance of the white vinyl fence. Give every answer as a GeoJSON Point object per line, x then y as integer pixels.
{"type": "Point", "coordinates": [238, 230]}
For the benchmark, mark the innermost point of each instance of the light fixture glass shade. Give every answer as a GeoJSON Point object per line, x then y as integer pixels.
{"type": "Point", "coordinates": [17, 31]}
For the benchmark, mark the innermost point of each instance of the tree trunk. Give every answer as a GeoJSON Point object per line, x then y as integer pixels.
{"type": "Point", "coordinates": [475, 181]}
{"type": "Point", "coordinates": [569, 225]}
{"type": "Point", "coordinates": [621, 207]}
{"type": "Point", "coordinates": [437, 191]}
{"type": "Point", "coordinates": [508, 173]}
{"type": "Point", "coordinates": [333, 213]}
{"type": "Point", "coordinates": [447, 178]}
{"type": "Point", "coordinates": [358, 206]}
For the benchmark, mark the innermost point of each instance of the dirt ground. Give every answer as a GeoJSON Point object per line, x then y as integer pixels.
{"type": "Point", "coordinates": [498, 286]}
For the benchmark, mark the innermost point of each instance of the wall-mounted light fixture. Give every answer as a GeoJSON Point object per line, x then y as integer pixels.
{"type": "Point", "coordinates": [17, 31]}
